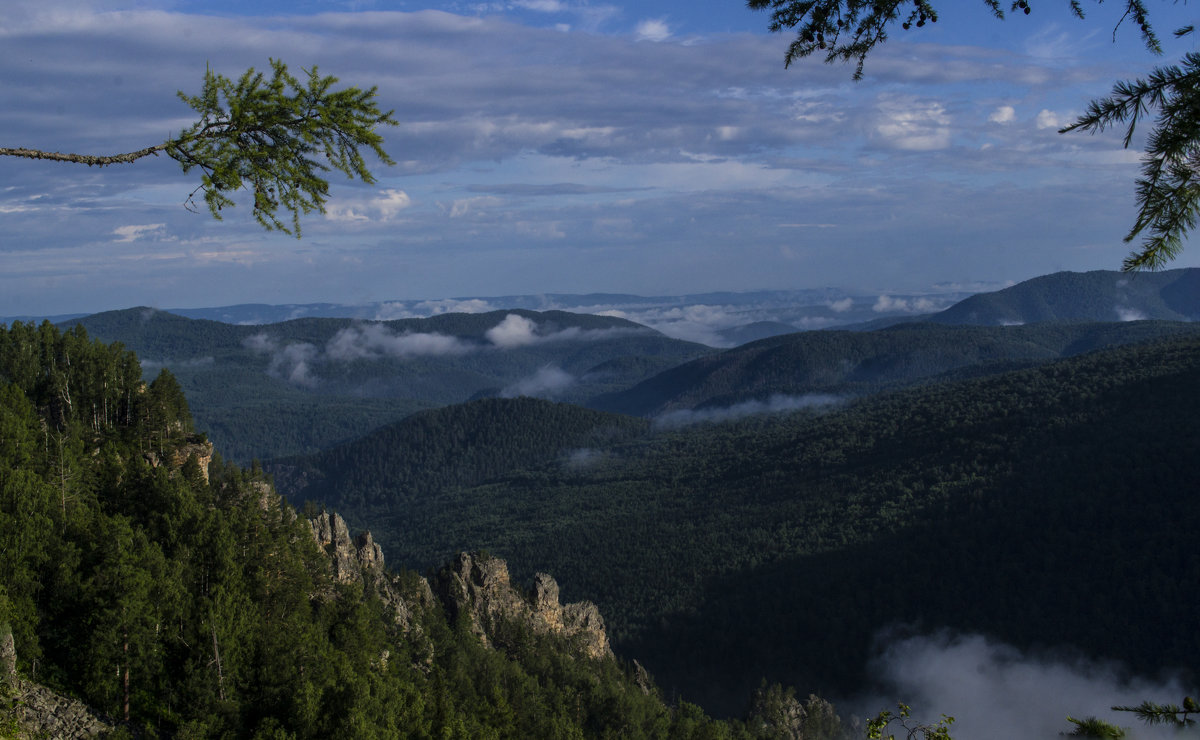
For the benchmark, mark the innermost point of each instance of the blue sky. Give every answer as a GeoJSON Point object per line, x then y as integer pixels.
{"type": "Point", "coordinates": [562, 146]}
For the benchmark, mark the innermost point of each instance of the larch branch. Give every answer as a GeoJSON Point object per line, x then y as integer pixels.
{"type": "Point", "coordinates": [88, 159]}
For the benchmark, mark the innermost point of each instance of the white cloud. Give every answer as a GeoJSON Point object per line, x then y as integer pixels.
{"type": "Point", "coordinates": [1048, 119]}
{"type": "Point", "coordinates": [133, 232]}
{"type": "Point", "coordinates": [654, 29]}
{"type": "Point", "coordinates": [776, 404]}
{"type": "Point", "coordinates": [887, 304]}
{"type": "Point", "coordinates": [547, 382]}
{"type": "Point", "coordinates": [542, 6]}
{"type": "Point", "coordinates": [1003, 114]}
{"type": "Point", "coordinates": [376, 340]}
{"type": "Point", "coordinates": [422, 309]}
{"type": "Point", "coordinates": [904, 122]}
{"type": "Point", "coordinates": [513, 331]}
{"type": "Point", "coordinates": [842, 305]}
{"type": "Point", "coordinates": [383, 207]}
{"type": "Point", "coordinates": [260, 342]}
{"type": "Point", "coordinates": [1130, 314]}
{"type": "Point", "coordinates": [292, 362]}
{"type": "Point", "coordinates": [463, 206]}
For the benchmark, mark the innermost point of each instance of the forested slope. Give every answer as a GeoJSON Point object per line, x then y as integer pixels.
{"type": "Point", "coordinates": [380, 475]}
{"type": "Point", "coordinates": [1054, 505]}
{"type": "Point", "coordinates": [1099, 295]}
{"type": "Point", "coordinates": [180, 597]}
{"type": "Point", "coordinates": [857, 362]}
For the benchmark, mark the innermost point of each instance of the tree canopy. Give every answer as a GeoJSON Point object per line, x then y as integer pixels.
{"type": "Point", "coordinates": [275, 136]}
{"type": "Point", "coordinates": [1168, 191]}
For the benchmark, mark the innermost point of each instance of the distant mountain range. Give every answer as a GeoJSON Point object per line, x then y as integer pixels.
{"type": "Point", "coordinates": [728, 319]}
{"type": "Point", "coordinates": [717, 319]}
{"type": "Point", "coordinates": [304, 384]}
{"type": "Point", "coordinates": [307, 384]}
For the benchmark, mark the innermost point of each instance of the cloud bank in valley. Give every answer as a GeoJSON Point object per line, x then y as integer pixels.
{"type": "Point", "coordinates": [370, 341]}
{"type": "Point", "coordinates": [995, 692]}
{"type": "Point", "coordinates": [295, 362]}
{"type": "Point", "coordinates": [548, 382]}
{"type": "Point", "coordinates": [776, 404]}
{"type": "Point", "coordinates": [292, 362]}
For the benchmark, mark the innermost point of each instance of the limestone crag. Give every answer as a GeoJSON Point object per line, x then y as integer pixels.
{"type": "Point", "coordinates": [476, 585]}
{"type": "Point", "coordinates": [360, 560]}
{"type": "Point", "coordinates": [480, 587]}
{"type": "Point", "coordinates": [198, 446]}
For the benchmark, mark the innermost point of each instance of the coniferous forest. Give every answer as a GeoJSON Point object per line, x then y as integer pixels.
{"type": "Point", "coordinates": [186, 600]}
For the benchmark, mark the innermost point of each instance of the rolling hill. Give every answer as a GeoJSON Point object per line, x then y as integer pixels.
{"type": "Point", "coordinates": [307, 384]}
{"type": "Point", "coordinates": [1102, 295]}
{"type": "Point", "coordinates": [857, 363]}
{"type": "Point", "coordinates": [1052, 506]}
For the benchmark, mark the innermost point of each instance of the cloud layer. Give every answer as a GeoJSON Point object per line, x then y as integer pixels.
{"type": "Point", "coordinates": [552, 145]}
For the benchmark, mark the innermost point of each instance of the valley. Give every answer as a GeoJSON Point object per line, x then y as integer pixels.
{"type": "Point", "coordinates": [742, 518]}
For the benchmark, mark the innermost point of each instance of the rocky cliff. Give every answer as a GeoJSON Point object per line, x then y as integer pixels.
{"type": "Point", "coordinates": [478, 586]}
{"type": "Point", "coordinates": [360, 560]}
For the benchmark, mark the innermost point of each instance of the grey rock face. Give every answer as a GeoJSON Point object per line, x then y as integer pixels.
{"type": "Point", "coordinates": [360, 560]}
{"type": "Point", "coordinates": [481, 588]}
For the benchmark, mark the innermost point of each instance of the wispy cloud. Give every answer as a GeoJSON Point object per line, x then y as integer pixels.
{"type": "Point", "coordinates": [548, 382]}
{"type": "Point", "coordinates": [776, 404]}
{"type": "Point", "coordinates": [134, 232]}
{"type": "Point", "coordinates": [654, 29]}
{"type": "Point", "coordinates": [376, 340]}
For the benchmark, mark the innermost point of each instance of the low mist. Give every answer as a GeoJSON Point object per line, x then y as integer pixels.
{"type": "Point", "coordinates": [995, 692]}
{"type": "Point", "coordinates": [548, 382]}
{"type": "Point", "coordinates": [776, 404]}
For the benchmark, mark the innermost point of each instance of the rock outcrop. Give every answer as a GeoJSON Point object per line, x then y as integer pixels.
{"type": "Point", "coordinates": [44, 713]}
{"type": "Point", "coordinates": [480, 587]}
{"type": "Point", "coordinates": [195, 445]}
{"type": "Point", "coordinates": [40, 712]}
{"type": "Point", "coordinates": [8, 657]}
{"type": "Point", "coordinates": [360, 560]}
{"type": "Point", "coordinates": [475, 585]}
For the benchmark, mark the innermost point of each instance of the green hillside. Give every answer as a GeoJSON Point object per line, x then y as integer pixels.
{"type": "Point", "coordinates": [179, 598]}
{"type": "Point", "coordinates": [386, 471]}
{"type": "Point", "coordinates": [1101, 295]}
{"type": "Point", "coordinates": [308, 384]}
{"type": "Point", "coordinates": [1050, 506]}
{"type": "Point", "coordinates": [857, 363]}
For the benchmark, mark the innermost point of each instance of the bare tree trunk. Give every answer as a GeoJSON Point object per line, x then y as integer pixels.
{"type": "Point", "coordinates": [217, 659]}
{"type": "Point", "coordinates": [88, 159]}
{"type": "Point", "coordinates": [126, 634]}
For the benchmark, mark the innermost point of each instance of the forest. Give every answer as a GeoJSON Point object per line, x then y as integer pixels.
{"type": "Point", "coordinates": [1067, 487]}
{"type": "Point", "coordinates": [745, 564]}
{"type": "Point", "coordinates": [188, 601]}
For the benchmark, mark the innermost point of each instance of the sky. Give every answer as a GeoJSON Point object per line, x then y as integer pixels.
{"type": "Point", "coordinates": [656, 147]}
